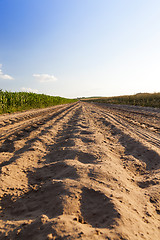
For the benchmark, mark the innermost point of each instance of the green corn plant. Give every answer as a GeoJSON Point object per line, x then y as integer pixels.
{"type": "Point", "coordinates": [19, 101]}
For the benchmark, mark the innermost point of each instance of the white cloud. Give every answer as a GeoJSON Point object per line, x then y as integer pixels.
{"type": "Point", "coordinates": [24, 89]}
{"type": "Point", "coordinates": [4, 76]}
{"type": "Point", "coordinates": [43, 78]}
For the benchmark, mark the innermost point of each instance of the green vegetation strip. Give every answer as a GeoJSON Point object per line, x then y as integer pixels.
{"type": "Point", "coordinates": [19, 101]}
{"type": "Point", "coordinates": [140, 99]}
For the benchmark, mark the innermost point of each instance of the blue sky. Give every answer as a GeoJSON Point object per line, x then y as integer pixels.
{"type": "Point", "coordinates": [75, 48]}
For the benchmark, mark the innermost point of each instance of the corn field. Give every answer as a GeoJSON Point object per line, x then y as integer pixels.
{"type": "Point", "coordinates": [140, 99]}
{"type": "Point", "coordinates": [19, 101]}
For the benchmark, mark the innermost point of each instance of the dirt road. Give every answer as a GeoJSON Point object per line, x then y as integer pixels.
{"type": "Point", "coordinates": [80, 171]}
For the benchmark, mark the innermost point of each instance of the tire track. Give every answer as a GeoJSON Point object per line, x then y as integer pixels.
{"type": "Point", "coordinates": [130, 128]}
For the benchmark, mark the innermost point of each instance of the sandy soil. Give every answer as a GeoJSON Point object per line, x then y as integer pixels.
{"type": "Point", "coordinates": [80, 171]}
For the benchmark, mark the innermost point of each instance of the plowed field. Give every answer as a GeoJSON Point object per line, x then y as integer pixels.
{"type": "Point", "coordinates": [80, 171]}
